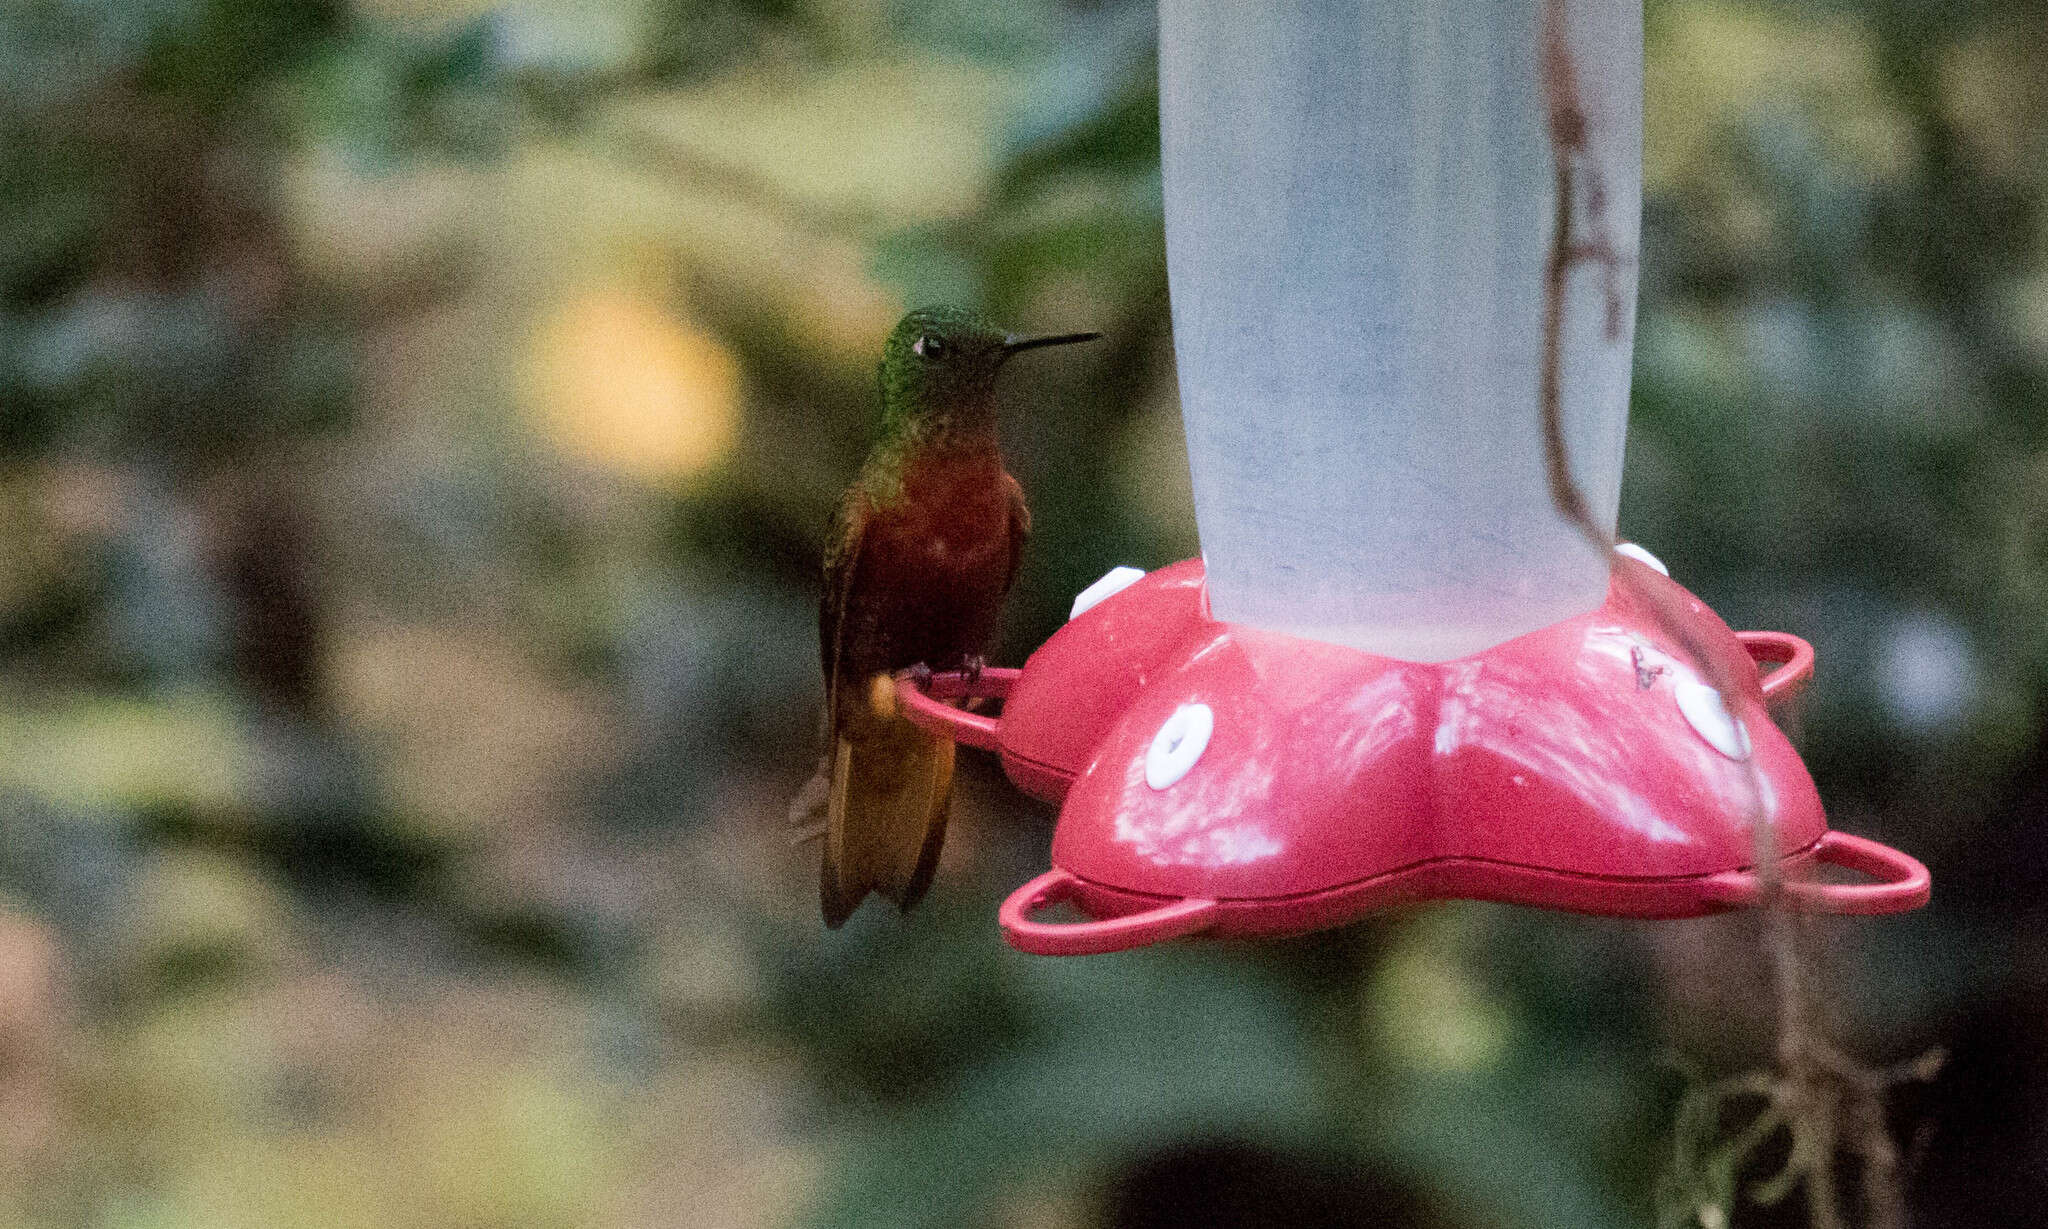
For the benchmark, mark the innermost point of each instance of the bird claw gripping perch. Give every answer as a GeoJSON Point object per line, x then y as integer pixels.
{"type": "Point", "coordinates": [1585, 766]}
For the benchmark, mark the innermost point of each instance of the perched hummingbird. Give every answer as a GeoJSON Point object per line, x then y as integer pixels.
{"type": "Point", "coordinates": [919, 557]}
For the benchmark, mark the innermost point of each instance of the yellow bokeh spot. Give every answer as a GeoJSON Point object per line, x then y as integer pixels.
{"type": "Point", "coordinates": [617, 379]}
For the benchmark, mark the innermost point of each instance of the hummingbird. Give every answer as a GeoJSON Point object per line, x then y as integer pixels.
{"type": "Point", "coordinates": [921, 552]}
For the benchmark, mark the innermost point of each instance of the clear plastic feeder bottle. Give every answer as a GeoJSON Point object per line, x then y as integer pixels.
{"type": "Point", "coordinates": [1360, 199]}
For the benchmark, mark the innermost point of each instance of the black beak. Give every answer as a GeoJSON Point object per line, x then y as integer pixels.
{"type": "Point", "coordinates": [1014, 344]}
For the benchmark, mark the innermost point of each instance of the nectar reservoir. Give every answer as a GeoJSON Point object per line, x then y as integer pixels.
{"type": "Point", "coordinates": [1360, 203]}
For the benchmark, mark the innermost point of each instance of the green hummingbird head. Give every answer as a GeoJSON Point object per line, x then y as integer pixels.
{"type": "Point", "coordinates": [939, 370]}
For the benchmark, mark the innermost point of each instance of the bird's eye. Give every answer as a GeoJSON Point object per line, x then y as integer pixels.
{"type": "Point", "coordinates": [928, 347]}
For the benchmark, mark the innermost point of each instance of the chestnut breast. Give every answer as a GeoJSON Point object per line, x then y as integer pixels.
{"type": "Point", "coordinates": [935, 561]}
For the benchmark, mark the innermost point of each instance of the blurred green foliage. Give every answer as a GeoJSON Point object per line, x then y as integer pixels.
{"type": "Point", "coordinates": [417, 420]}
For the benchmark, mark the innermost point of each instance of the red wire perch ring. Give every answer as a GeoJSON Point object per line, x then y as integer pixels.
{"type": "Point", "coordinates": [927, 709]}
{"type": "Point", "coordinates": [1902, 881]}
{"type": "Point", "coordinates": [927, 706]}
{"type": "Point", "coordinates": [1094, 937]}
{"type": "Point", "coordinates": [1792, 656]}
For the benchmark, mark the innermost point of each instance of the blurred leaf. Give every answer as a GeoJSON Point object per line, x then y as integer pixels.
{"type": "Point", "coordinates": [183, 753]}
{"type": "Point", "coordinates": [801, 297]}
{"type": "Point", "coordinates": [1993, 93]}
{"type": "Point", "coordinates": [1716, 62]}
{"type": "Point", "coordinates": [1001, 33]}
{"type": "Point", "coordinates": [588, 39]}
{"type": "Point", "coordinates": [442, 1124]}
{"type": "Point", "coordinates": [1426, 1010]}
{"type": "Point", "coordinates": [692, 39]}
{"type": "Point", "coordinates": [1123, 1054]}
{"type": "Point", "coordinates": [873, 143]}
{"type": "Point", "coordinates": [222, 48]}
{"type": "Point", "coordinates": [476, 737]}
{"type": "Point", "coordinates": [389, 95]}
{"type": "Point", "coordinates": [199, 917]}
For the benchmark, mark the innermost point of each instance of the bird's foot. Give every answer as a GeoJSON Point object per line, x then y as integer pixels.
{"type": "Point", "coordinates": [920, 676]}
{"type": "Point", "coordinates": [971, 667]}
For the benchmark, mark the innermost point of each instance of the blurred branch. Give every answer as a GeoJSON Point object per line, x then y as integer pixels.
{"type": "Point", "coordinates": [1819, 1095]}
{"type": "Point", "coordinates": [745, 187]}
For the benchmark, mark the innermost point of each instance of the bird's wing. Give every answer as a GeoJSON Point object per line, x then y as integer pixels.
{"type": "Point", "coordinates": [1020, 528]}
{"type": "Point", "coordinates": [888, 782]}
{"type": "Point", "coordinates": [842, 567]}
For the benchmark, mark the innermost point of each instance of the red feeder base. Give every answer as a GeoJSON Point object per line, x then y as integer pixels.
{"type": "Point", "coordinates": [1226, 780]}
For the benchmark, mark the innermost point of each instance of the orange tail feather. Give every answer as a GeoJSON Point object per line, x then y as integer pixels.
{"type": "Point", "coordinates": [886, 817]}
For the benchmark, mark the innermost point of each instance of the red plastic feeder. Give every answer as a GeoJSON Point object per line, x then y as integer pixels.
{"type": "Point", "coordinates": [1225, 780]}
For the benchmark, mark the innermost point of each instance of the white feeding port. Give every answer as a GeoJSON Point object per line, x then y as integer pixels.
{"type": "Point", "coordinates": [1113, 582]}
{"type": "Point", "coordinates": [1709, 717]}
{"type": "Point", "coordinates": [1641, 555]}
{"type": "Point", "coordinates": [1178, 744]}
{"type": "Point", "coordinates": [1360, 199]}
